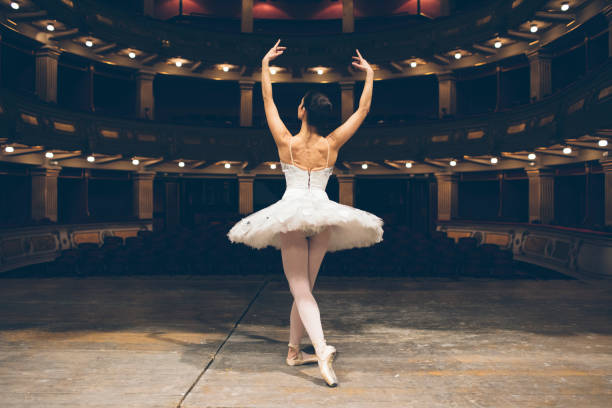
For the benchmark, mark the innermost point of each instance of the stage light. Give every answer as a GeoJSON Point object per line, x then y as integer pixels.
{"type": "Point", "coordinates": [50, 27]}
{"type": "Point", "coordinates": [409, 165]}
{"type": "Point", "coordinates": [531, 156]}
{"type": "Point", "coordinates": [413, 64]}
{"type": "Point", "coordinates": [91, 158]}
{"type": "Point", "coordinates": [273, 70]}
{"type": "Point", "coordinates": [364, 166]}
{"type": "Point", "coordinates": [225, 68]}
{"type": "Point", "coordinates": [498, 44]}
{"type": "Point", "coordinates": [319, 71]}
{"type": "Point", "coordinates": [227, 165]}
{"type": "Point", "coordinates": [453, 163]}
{"type": "Point", "coordinates": [14, 5]}
{"type": "Point", "coordinates": [9, 149]}
{"type": "Point", "coordinates": [181, 164]}
{"type": "Point", "coordinates": [178, 63]}
{"type": "Point", "coordinates": [89, 43]}
{"type": "Point", "coordinates": [533, 28]}
{"type": "Point", "coordinates": [565, 6]}
{"type": "Point", "coordinates": [494, 160]}
{"type": "Point", "coordinates": [49, 155]}
{"type": "Point", "coordinates": [458, 55]}
{"type": "Point", "coordinates": [132, 55]}
{"type": "Point", "coordinates": [135, 162]}
{"type": "Point", "coordinates": [567, 150]}
{"type": "Point", "coordinates": [273, 166]}
{"type": "Point", "coordinates": [602, 143]}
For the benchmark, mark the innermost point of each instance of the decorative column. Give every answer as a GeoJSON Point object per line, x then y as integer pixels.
{"type": "Point", "coordinates": [84, 195]}
{"type": "Point", "coordinates": [347, 99]}
{"type": "Point", "coordinates": [46, 73]}
{"type": "Point", "coordinates": [246, 103]}
{"type": "Point", "coordinates": [44, 192]}
{"type": "Point", "coordinates": [541, 195]}
{"type": "Point", "coordinates": [148, 8]}
{"type": "Point", "coordinates": [448, 196]}
{"type": "Point", "coordinates": [145, 101]}
{"type": "Point", "coordinates": [245, 193]}
{"type": "Point", "coordinates": [447, 94]}
{"type": "Point", "coordinates": [346, 189]}
{"type": "Point", "coordinates": [246, 20]}
{"type": "Point", "coordinates": [142, 189]}
{"type": "Point", "coordinates": [607, 168]}
{"type": "Point", "coordinates": [540, 78]}
{"type": "Point", "coordinates": [348, 16]}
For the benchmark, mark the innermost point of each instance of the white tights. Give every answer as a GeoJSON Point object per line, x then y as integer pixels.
{"type": "Point", "coordinates": [302, 258]}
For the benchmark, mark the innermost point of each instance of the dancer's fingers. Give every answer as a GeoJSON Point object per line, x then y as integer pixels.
{"type": "Point", "coordinates": [358, 53]}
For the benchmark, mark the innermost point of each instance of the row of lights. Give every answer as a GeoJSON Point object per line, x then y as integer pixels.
{"type": "Point", "coordinates": [452, 163]}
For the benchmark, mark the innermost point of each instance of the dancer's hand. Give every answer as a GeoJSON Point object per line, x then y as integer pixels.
{"type": "Point", "coordinates": [361, 63]}
{"type": "Point", "coordinates": [274, 51]}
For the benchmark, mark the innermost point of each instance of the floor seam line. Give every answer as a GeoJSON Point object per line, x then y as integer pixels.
{"type": "Point", "coordinates": [212, 359]}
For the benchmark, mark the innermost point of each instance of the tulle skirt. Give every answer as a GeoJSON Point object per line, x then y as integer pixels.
{"type": "Point", "coordinates": [310, 211]}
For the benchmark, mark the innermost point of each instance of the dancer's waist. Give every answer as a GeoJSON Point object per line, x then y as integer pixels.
{"type": "Point", "coordinates": [313, 191]}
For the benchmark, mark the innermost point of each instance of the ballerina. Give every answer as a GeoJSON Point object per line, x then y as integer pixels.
{"type": "Point", "coordinates": [305, 224]}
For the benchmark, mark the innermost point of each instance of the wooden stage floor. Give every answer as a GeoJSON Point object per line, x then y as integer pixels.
{"type": "Point", "coordinates": [194, 341]}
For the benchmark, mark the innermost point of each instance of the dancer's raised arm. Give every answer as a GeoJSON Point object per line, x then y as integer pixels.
{"type": "Point", "coordinates": [345, 131]}
{"type": "Point", "coordinates": [277, 127]}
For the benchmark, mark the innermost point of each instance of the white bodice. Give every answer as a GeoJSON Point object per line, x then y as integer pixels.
{"type": "Point", "coordinates": [300, 179]}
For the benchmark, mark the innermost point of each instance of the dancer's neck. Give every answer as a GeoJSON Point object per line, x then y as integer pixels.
{"type": "Point", "coordinates": [308, 132]}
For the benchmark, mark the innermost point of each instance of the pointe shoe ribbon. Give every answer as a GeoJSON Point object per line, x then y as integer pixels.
{"type": "Point", "coordinates": [301, 357]}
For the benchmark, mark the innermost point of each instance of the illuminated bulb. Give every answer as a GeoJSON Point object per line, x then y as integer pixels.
{"type": "Point", "coordinates": [453, 163]}
{"type": "Point", "coordinates": [49, 155]}
{"type": "Point", "coordinates": [602, 143]}
{"type": "Point", "coordinates": [132, 55]}
{"type": "Point", "coordinates": [565, 6]}
{"type": "Point", "coordinates": [178, 64]}
{"type": "Point", "coordinates": [494, 160]}
{"type": "Point", "coordinates": [135, 162]}
{"type": "Point", "coordinates": [531, 156]}
{"type": "Point", "coordinates": [567, 150]}
{"type": "Point", "coordinates": [9, 149]}
{"type": "Point", "coordinates": [273, 71]}
{"type": "Point", "coordinates": [227, 165]}
{"type": "Point", "coordinates": [364, 166]}
{"type": "Point", "coordinates": [225, 68]}
{"type": "Point", "coordinates": [91, 159]}
{"type": "Point", "coordinates": [457, 55]}
{"type": "Point", "coordinates": [89, 43]}
{"type": "Point", "coordinates": [181, 164]}
{"type": "Point", "coordinates": [273, 166]}
{"type": "Point", "coordinates": [533, 28]}
{"type": "Point", "coordinates": [319, 71]}
{"type": "Point", "coordinates": [413, 64]}
{"type": "Point", "coordinates": [409, 165]}
{"type": "Point", "coordinates": [498, 44]}
{"type": "Point", "coordinates": [14, 5]}
{"type": "Point", "coordinates": [532, 164]}
{"type": "Point", "coordinates": [50, 27]}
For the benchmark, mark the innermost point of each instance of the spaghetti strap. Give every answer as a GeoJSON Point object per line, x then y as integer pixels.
{"type": "Point", "coordinates": [291, 141]}
{"type": "Point", "coordinates": [327, 161]}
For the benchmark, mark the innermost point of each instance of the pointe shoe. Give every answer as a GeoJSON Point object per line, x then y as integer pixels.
{"type": "Point", "coordinates": [301, 357]}
{"type": "Point", "coordinates": [325, 358]}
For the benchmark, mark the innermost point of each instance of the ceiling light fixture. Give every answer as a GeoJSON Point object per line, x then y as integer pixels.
{"type": "Point", "coordinates": [364, 166]}
{"type": "Point", "coordinates": [89, 43]}
{"type": "Point", "coordinates": [531, 156]}
{"type": "Point", "coordinates": [458, 55]}
{"type": "Point", "coordinates": [409, 165]}
{"type": "Point", "coordinates": [49, 155]}
{"type": "Point", "coordinates": [567, 150]}
{"type": "Point", "coordinates": [273, 70]}
{"type": "Point", "coordinates": [319, 71]}
{"type": "Point", "coordinates": [178, 63]}
{"type": "Point", "coordinates": [565, 6]}
{"type": "Point", "coordinates": [498, 44]}
{"type": "Point", "coordinates": [91, 158]}
{"type": "Point", "coordinates": [453, 163]}
{"type": "Point", "coordinates": [181, 164]}
{"type": "Point", "coordinates": [494, 160]}
{"type": "Point", "coordinates": [50, 27]}
{"type": "Point", "coordinates": [533, 28]}
{"type": "Point", "coordinates": [14, 5]}
{"type": "Point", "coordinates": [602, 143]}
{"type": "Point", "coordinates": [227, 165]}
{"type": "Point", "coordinates": [413, 64]}
{"type": "Point", "coordinates": [135, 162]}
{"type": "Point", "coordinates": [132, 55]}
{"type": "Point", "coordinates": [225, 68]}
{"type": "Point", "coordinates": [273, 166]}
{"type": "Point", "coordinates": [9, 149]}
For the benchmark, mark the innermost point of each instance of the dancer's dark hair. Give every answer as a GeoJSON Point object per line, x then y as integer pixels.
{"type": "Point", "coordinates": [319, 109]}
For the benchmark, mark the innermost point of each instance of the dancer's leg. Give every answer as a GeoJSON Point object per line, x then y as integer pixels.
{"type": "Point", "coordinates": [294, 252]}
{"type": "Point", "coordinates": [317, 247]}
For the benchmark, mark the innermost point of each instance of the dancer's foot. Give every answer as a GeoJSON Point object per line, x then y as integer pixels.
{"type": "Point", "coordinates": [325, 356]}
{"type": "Point", "coordinates": [297, 357]}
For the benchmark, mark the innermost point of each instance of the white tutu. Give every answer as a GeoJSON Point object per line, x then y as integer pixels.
{"type": "Point", "coordinates": [305, 206]}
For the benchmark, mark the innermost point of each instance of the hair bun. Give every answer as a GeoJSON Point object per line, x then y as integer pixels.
{"type": "Point", "coordinates": [318, 108]}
